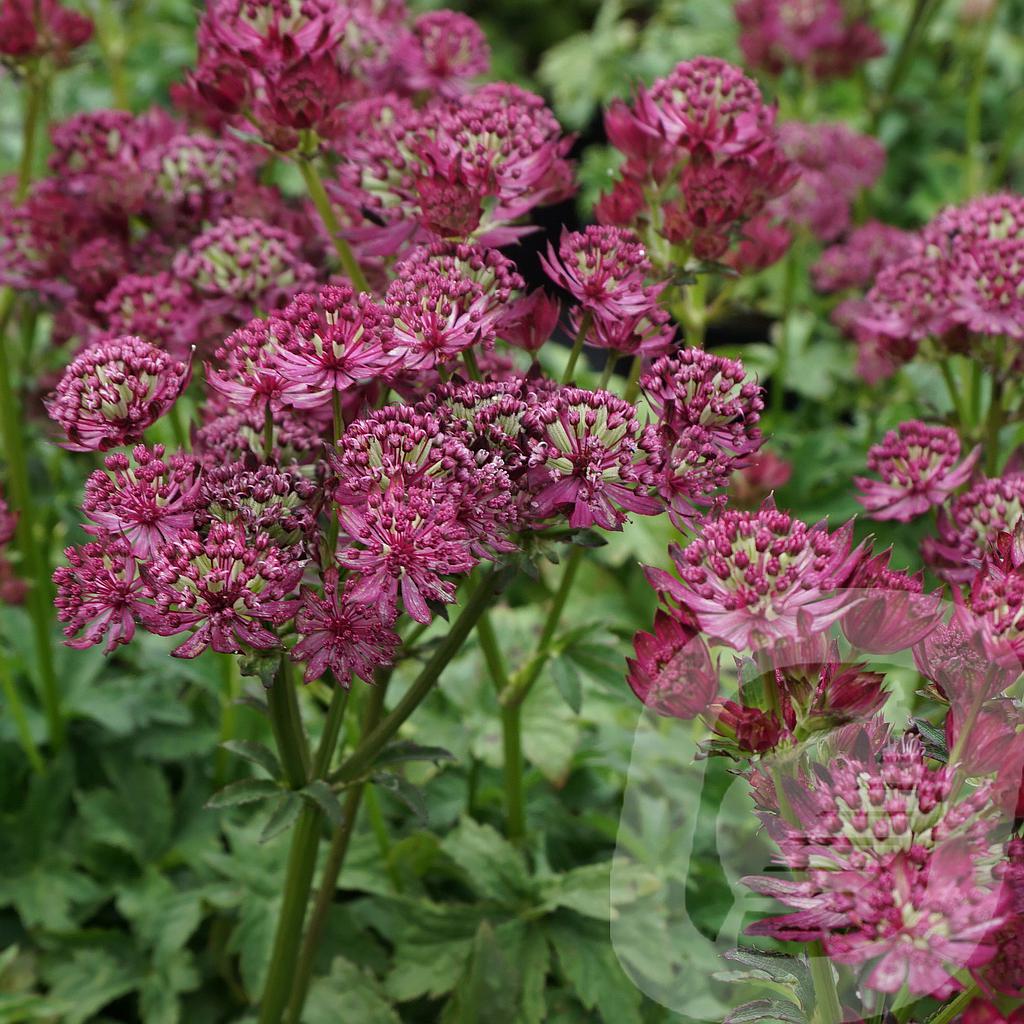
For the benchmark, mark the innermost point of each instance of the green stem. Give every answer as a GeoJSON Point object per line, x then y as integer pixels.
{"type": "Point", "coordinates": [32, 549]}
{"type": "Point", "coordinates": [317, 192]}
{"type": "Point", "coordinates": [993, 426]}
{"type": "Point", "coordinates": [827, 1009]}
{"type": "Point", "coordinates": [34, 105]}
{"type": "Point", "coordinates": [791, 271]}
{"type": "Point", "coordinates": [17, 712]}
{"type": "Point", "coordinates": [286, 722]}
{"type": "Point", "coordinates": [954, 394]}
{"type": "Point", "coordinates": [609, 369]}
{"type": "Point", "coordinates": [694, 311]}
{"type": "Point", "coordinates": [228, 716]}
{"type": "Point", "coordinates": [332, 869]}
{"type": "Point", "coordinates": [974, 164]}
{"type": "Point", "coordinates": [362, 758]}
{"type": "Point", "coordinates": [332, 730]}
{"type": "Point", "coordinates": [633, 381]}
{"type": "Point", "coordinates": [472, 366]}
{"type": "Point", "coordinates": [268, 434]}
{"type": "Point", "coordinates": [519, 688]}
{"type": "Point", "coordinates": [577, 347]}
{"type": "Point", "coordinates": [179, 428]}
{"type": "Point", "coordinates": [955, 1006]}
{"type": "Point", "coordinates": [511, 732]}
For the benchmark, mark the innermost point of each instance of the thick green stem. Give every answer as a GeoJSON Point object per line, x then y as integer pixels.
{"type": "Point", "coordinates": [317, 192]}
{"type": "Point", "coordinates": [609, 369]}
{"type": "Point", "coordinates": [791, 270]}
{"type": "Point", "coordinates": [362, 758]}
{"type": "Point", "coordinates": [954, 394]}
{"type": "Point", "coordinates": [577, 347]}
{"type": "Point", "coordinates": [633, 382]}
{"type": "Point", "coordinates": [32, 548]}
{"type": "Point", "coordinates": [332, 730]}
{"type": "Point", "coordinates": [286, 722]}
{"type": "Point", "coordinates": [827, 1009]}
{"type": "Point", "coordinates": [228, 716]}
{"type": "Point", "coordinates": [511, 732]}
{"type": "Point", "coordinates": [332, 869]}
{"type": "Point", "coordinates": [472, 366]}
{"type": "Point", "coordinates": [181, 434]}
{"type": "Point", "coordinates": [34, 105]}
{"type": "Point", "coordinates": [955, 1007]}
{"type": "Point", "coordinates": [993, 427]}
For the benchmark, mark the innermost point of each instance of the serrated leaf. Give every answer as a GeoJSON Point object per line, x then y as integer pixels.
{"type": "Point", "coordinates": [258, 754]}
{"type": "Point", "coordinates": [320, 795]}
{"type": "Point", "coordinates": [934, 739]}
{"type": "Point", "coordinates": [489, 987]}
{"type": "Point", "coordinates": [604, 664]}
{"type": "Point", "coordinates": [567, 679]}
{"type": "Point", "coordinates": [348, 993]}
{"type": "Point", "coordinates": [598, 890]}
{"type": "Point", "coordinates": [87, 980]}
{"type": "Point", "coordinates": [244, 791]}
{"type": "Point", "coordinates": [283, 817]}
{"type": "Point", "coordinates": [402, 789]}
{"type": "Point", "coordinates": [405, 750]}
{"type": "Point", "coordinates": [766, 1010]}
{"type": "Point", "coordinates": [492, 866]}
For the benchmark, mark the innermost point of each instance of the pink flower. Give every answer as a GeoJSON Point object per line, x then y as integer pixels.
{"type": "Point", "coordinates": [909, 301]}
{"type": "Point", "coordinates": [39, 28]}
{"type": "Point", "coordinates": [228, 587]}
{"type": "Point", "coordinates": [348, 637]}
{"type": "Point", "coordinates": [953, 657]}
{"type": "Point", "coordinates": [758, 478]}
{"type": "Point", "coordinates": [450, 49]}
{"type": "Point", "coordinates": [245, 264]}
{"type": "Point", "coordinates": [332, 341]}
{"type": "Point", "coordinates": [920, 468]}
{"type": "Point", "coordinates": [591, 458]}
{"type": "Point", "coordinates": [856, 261]}
{"type": "Point", "coordinates": [756, 578]}
{"type": "Point", "coordinates": [672, 671]}
{"type": "Point", "coordinates": [112, 391]}
{"type": "Point", "coordinates": [157, 307]}
{"type": "Point", "coordinates": [604, 269]}
{"type": "Point", "coordinates": [899, 879]}
{"type": "Point", "coordinates": [99, 594]}
{"type": "Point", "coordinates": [529, 321]}
{"type": "Point", "coordinates": [971, 523]}
{"type": "Point", "coordinates": [238, 435]}
{"type": "Point", "coordinates": [149, 504]}
{"type": "Point", "coordinates": [404, 543]}
{"type": "Point", "coordinates": [268, 32]}
{"type": "Point", "coordinates": [825, 36]}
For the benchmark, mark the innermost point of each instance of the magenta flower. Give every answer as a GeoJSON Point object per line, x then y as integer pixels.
{"type": "Point", "coordinates": [756, 578]}
{"type": "Point", "coordinates": [113, 390]}
{"type": "Point", "coordinates": [407, 544]}
{"type": "Point", "coordinates": [346, 636]}
{"type": "Point", "coordinates": [749, 729]}
{"type": "Point", "coordinates": [693, 388]}
{"type": "Point", "coordinates": [856, 261]}
{"type": "Point", "coordinates": [986, 281]}
{"type": "Point", "coordinates": [891, 612]}
{"type": "Point", "coordinates": [828, 37]}
{"type": "Point", "coordinates": [650, 334]}
{"type": "Point", "coordinates": [331, 341]}
{"type": "Point", "coordinates": [920, 468]}
{"type": "Point", "coordinates": [191, 173]}
{"type": "Point", "coordinates": [268, 32]}
{"type": "Point", "coordinates": [229, 588]}
{"type": "Point", "coordinates": [909, 301]}
{"type": "Point", "coordinates": [245, 265]}
{"type": "Point", "coordinates": [591, 458]}
{"type": "Point", "coordinates": [672, 671]}
{"type": "Point", "coordinates": [529, 321]}
{"type": "Point", "coordinates": [604, 269]}
{"type": "Point", "coordinates": [971, 524]}
{"type": "Point", "coordinates": [449, 49]}
{"type": "Point", "coordinates": [953, 657]}
{"type": "Point", "coordinates": [148, 504]}
{"type": "Point", "coordinates": [899, 879]}
{"type": "Point", "coordinates": [157, 307]}
{"type": "Point", "coordinates": [238, 435]}
{"type": "Point", "coordinates": [40, 28]}
{"type": "Point", "coordinates": [99, 594]}
{"type": "Point", "coordinates": [693, 474]}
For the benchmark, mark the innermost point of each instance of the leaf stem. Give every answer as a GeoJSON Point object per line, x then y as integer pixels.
{"type": "Point", "coordinates": [306, 159]}
{"type": "Point", "coordinates": [286, 723]}
{"type": "Point", "coordinates": [577, 347]}
{"type": "Point", "coordinates": [975, 165]}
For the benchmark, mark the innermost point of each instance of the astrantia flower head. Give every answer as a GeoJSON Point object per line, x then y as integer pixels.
{"type": "Point", "coordinates": [267, 32]}
{"type": "Point", "coordinates": [694, 388]}
{"type": "Point", "coordinates": [899, 879]}
{"type": "Point", "coordinates": [694, 472]}
{"type": "Point", "coordinates": [672, 671]}
{"type": "Point", "coordinates": [99, 594]}
{"type": "Point", "coordinates": [986, 281]}
{"type": "Point", "coordinates": [336, 633]}
{"type": "Point", "coordinates": [332, 340]}
{"type": "Point", "coordinates": [604, 269]}
{"type": "Point", "coordinates": [275, 500]}
{"type": "Point", "coordinates": [529, 321]}
{"type": "Point", "coordinates": [920, 467]}
{"type": "Point", "coordinates": [971, 524]}
{"type": "Point", "coordinates": [404, 543]}
{"type": "Point", "coordinates": [835, 163]}
{"type": "Point", "coordinates": [113, 390]}
{"type": "Point", "coordinates": [41, 28]}
{"type": "Point", "coordinates": [855, 262]}
{"type": "Point", "coordinates": [246, 263]}
{"type": "Point", "coordinates": [188, 171]}
{"type": "Point", "coordinates": [591, 457]}
{"type": "Point", "coordinates": [242, 435]}
{"type": "Point", "coordinates": [147, 499]}
{"type": "Point", "coordinates": [828, 37]}
{"type": "Point", "coordinates": [229, 588]}
{"type": "Point", "coordinates": [157, 307]}
{"type": "Point", "coordinates": [757, 578]}
{"type": "Point", "coordinates": [450, 48]}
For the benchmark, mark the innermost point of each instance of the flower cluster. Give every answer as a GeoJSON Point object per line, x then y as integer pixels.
{"type": "Point", "coordinates": [828, 38]}
{"type": "Point", "coordinates": [31, 29]}
{"type": "Point", "coordinates": [703, 142]}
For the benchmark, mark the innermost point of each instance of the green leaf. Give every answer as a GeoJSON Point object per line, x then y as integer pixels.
{"type": "Point", "coordinates": [283, 817]}
{"type": "Point", "coordinates": [410, 795]}
{"type": "Point", "coordinates": [588, 961]}
{"type": "Point", "coordinates": [567, 679]}
{"type": "Point", "coordinates": [550, 732]}
{"type": "Point", "coordinates": [253, 939]}
{"type": "Point", "coordinates": [766, 1010]}
{"type": "Point", "coordinates": [87, 980]}
{"type": "Point", "coordinates": [491, 865]}
{"type": "Point", "coordinates": [934, 739]}
{"type": "Point", "coordinates": [159, 993]}
{"type": "Point", "coordinates": [162, 917]}
{"type": "Point", "coordinates": [405, 750]}
{"type": "Point", "coordinates": [604, 664]}
{"type": "Point", "coordinates": [320, 795]}
{"type": "Point", "coordinates": [489, 986]}
{"type": "Point", "coordinates": [348, 993]}
{"type": "Point", "coordinates": [258, 754]}
{"type": "Point", "coordinates": [245, 791]}
{"type": "Point", "coordinates": [598, 890]}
